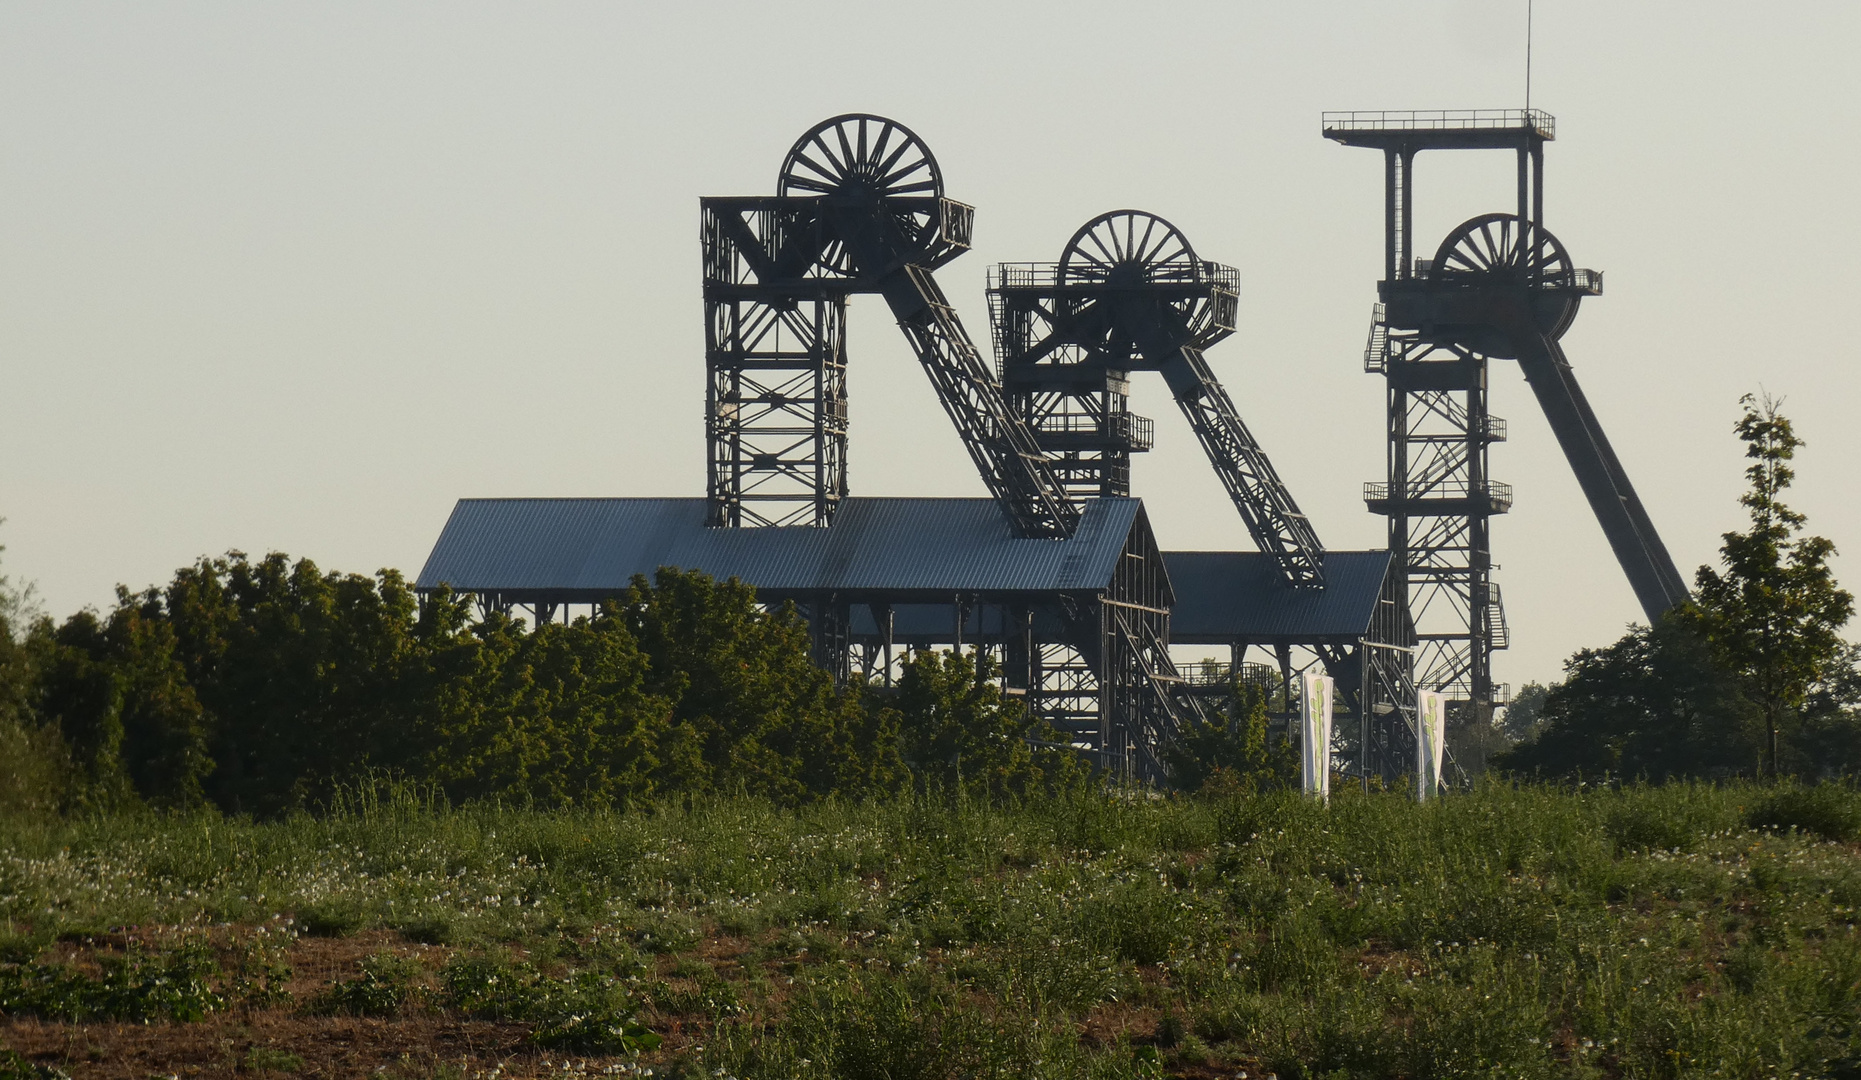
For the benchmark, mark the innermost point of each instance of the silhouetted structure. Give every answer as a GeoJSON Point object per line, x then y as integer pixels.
{"type": "Point", "coordinates": [1058, 576]}
{"type": "Point", "coordinates": [1499, 286]}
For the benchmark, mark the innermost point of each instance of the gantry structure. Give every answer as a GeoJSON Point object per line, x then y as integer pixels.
{"type": "Point", "coordinates": [1056, 577]}
{"type": "Point", "coordinates": [1130, 294]}
{"type": "Point", "coordinates": [860, 208]}
{"type": "Point", "coordinates": [1500, 286]}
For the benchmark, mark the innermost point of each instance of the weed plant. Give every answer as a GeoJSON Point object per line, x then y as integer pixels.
{"type": "Point", "coordinates": [1680, 930]}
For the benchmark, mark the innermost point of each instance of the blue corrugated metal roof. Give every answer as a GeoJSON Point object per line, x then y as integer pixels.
{"type": "Point", "coordinates": [593, 547]}
{"type": "Point", "coordinates": [1224, 595]}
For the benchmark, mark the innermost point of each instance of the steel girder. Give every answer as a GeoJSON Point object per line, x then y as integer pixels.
{"type": "Point", "coordinates": [1130, 294]}
{"type": "Point", "coordinates": [859, 209]}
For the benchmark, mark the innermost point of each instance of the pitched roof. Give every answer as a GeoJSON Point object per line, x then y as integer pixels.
{"type": "Point", "coordinates": [1225, 595]}
{"type": "Point", "coordinates": [587, 549]}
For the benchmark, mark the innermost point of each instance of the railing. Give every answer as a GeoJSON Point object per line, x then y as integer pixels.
{"type": "Point", "coordinates": [1376, 350]}
{"type": "Point", "coordinates": [1497, 632]}
{"type": "Point", "coordinates": [1497, 494]}
{"type": "Point", "coordinates": [1139, 431]}
{"type": "Point", "coordinates": [1495, 429]}
{"type": "Point", "coordinates": [1588, 282]}
{"type": "Point", "coordinates": [1047, 276]}
{"type": "Point", "coordinates": [955, 223]}
{"type": "Point", "coordinates": [1442, 120]}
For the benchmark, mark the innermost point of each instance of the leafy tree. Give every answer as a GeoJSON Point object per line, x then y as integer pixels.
{"type": "Point", "coordinates": [752, 711]}
{"type": "Point", "coordinates": [34, 767]}
{"type": "Point", "coordinates": [1231, 750]}
{"type": "Point", "coordinates": [559, 716]}
{"type": "Point", "coordinates": [300, 669]}
{"type": "Point", "coordinates": [1751, 676]}
{"type": "Point", "coordinates": [1774, 616]}
{"type": "Point", "coordinates": [80, 696]}
{"type": "Point", "coordinates": [959, 731]}
{"type": "Point", "coordinates": [1525, 715]}
{"type": "Point", "coordinates": [1654, 704]}
{"type": "Point", "coordinates": [1828, 739]}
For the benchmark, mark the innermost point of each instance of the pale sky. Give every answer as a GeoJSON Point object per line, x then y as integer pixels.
{"type": "Point", "coordinates": [296, 276]}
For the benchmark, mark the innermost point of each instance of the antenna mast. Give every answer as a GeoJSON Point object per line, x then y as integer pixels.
{"type": "Point", "coordinates": [1528, 5]}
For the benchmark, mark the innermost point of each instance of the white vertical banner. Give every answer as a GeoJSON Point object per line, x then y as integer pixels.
{"type": "Point", "coordinates": [1430, 735]}
{"type": "Point", "coordinates": [1315, 743]}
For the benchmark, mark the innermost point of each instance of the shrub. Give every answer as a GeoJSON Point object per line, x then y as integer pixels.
{"type": "Point", "coordinates": [168, 984]}
{"type": "Point", "coordinates": [1831, 811]}
{"type": "Point", "coordinates": [329, 920]}
{"type": "Point", "coordinates": [387, 982]}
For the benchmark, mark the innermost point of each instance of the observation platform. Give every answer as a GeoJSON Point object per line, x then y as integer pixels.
{"type": "Point", "coordinates": [1440, 129]}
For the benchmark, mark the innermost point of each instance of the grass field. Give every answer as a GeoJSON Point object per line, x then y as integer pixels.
{"type": "Point", "coordinates": [1518, 932]}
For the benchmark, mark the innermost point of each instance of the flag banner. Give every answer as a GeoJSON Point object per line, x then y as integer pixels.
{"type": "Point", "coordinates": [1315, 743]}
{"type": "Point", "coordinates": [1430, 736]}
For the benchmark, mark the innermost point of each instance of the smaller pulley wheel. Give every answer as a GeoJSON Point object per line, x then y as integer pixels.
{"type": "Point", "coordinates": [1505, 249]}
{"type": "Point", "coordinates": [1128, 247]}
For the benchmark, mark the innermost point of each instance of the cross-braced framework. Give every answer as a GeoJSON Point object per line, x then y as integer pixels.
{"type": "Point", "coordinates": [1440, 502]}
{"type": "Point", "coordinates": [1500, 286]}
{"type": "Point", "coordinates": [776, 411]}
{"type": "Point", "coordinates": [859, 208]}
{"type": "Point", "coordinates": [1130, 294]}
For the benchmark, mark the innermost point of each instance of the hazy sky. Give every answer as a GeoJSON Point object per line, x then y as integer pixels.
{"type": "Point", "coordinates": [298, 276]}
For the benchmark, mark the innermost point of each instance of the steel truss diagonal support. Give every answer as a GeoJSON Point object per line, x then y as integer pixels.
{"type": "Point", "coordinates": [1267, 507]}
{"type": "Point", "coordinates": [1012, 464]}
{"type": "Point", "coordinates": [1148, 691]}
{"type": "Point", "coordinates": [1637, 546]}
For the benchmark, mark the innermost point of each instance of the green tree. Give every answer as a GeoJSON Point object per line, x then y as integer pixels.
{"type": "Point", "coordinates": [1525, 715]}
{"type": "Point", "coordinates": [752, 712]}
{"type": "Point", "coordinates": [1655, 704]}
{"type": "Point", "coordinates": [1750, 676]}
{"type": "Point", "coordinates": [34, 767]}
{"type": "Point", "coordinates": [1774, 615]}
{"type": "Point", "coordinates": [1233, 749]}
{"type": "Point", "coordinates": [959, 731]}
{"type": "Point", "coordinates": [300, 670]}
{"type": "Point", "coordinates": [558, 716]}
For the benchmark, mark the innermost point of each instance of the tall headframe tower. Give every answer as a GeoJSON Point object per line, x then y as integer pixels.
{"type": "Point", "coordinates": [1500, 286]}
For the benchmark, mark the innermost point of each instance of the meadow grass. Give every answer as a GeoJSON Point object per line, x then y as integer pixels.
{"type": "Point", "coordinates": [1679, 930]}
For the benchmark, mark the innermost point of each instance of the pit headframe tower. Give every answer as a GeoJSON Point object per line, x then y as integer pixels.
{"type": "Point", "coordinates": [1499, 286]}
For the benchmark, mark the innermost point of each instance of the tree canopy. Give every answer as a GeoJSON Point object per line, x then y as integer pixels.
{"type": "Point", "coordinates": [260, 686]}
{"type": "Point", "coordinates": [1751, 677]}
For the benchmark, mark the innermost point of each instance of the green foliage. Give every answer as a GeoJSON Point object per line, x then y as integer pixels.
{"type": "Point", "coordinates": [1524, 717]}
{"type": "Point", "coordinates": [753, 713]}
{"type": "Point", "coordinates": [559, 716]}
{"type": "Point", "coordinates": [1774, 616]}
{"type": "Point", "coordinates": [960, 733]}
{"type": "Point", "coordinates": [1654, 705]}
{"type": "Point", "coordinates": [15, 1067]}
{"type": "Point", "coordinates": [1831, 811]}
{"type": "Point", "coordinates": [35, 775]}
{"type": "Point", "coordinates": [268, 686]}
{"type": "Point", "coordinates": [584, 1012]}
{"type": "Point", "coordinates": [387, 982]}
{"type": "Point", "coordinates": [141, 984]}
{"type": "Point", "coordinates": [1233, 751]}
{"type": "Point", "coordinates": [1510, 930]}
{"type": "Point", "coordinates": [1751, 678]}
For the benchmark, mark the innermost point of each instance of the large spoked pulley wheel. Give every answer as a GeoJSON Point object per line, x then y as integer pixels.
{"type": "Point", "coordinates": [1155, 274]}
{"type": "Point", "coordinates": [868, 164]}
{"type": "Point", "coordinates": [1505, 249]}
{"type": "Point", "coordinates": [1128, 247]}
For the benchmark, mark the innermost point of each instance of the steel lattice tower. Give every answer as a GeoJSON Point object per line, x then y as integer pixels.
{"type": "Point", "coordinates": [1500, 286]}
